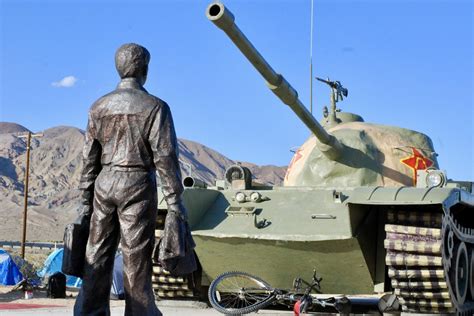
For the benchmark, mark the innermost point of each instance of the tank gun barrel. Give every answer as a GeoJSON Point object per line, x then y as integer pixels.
{"type": "Point", "coordinates": [224, 19]}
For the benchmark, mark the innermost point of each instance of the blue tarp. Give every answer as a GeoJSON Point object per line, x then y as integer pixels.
{"type": "Point", "coordinates": [117, 280]}
{"type": "Point", "coordinates": [53, 264]}
{"type": "Point", "coordinates": [9, 272]}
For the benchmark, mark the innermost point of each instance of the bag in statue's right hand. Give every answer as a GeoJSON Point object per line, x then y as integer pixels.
{"type": "Point", "coordinates": [75, 242]}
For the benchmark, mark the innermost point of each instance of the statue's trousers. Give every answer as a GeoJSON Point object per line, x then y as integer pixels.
{"type": "Point", "coordinates": [124, 210]}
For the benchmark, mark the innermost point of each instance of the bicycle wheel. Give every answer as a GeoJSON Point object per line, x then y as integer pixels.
{"type": "Point", "coordinates": [237, 293]}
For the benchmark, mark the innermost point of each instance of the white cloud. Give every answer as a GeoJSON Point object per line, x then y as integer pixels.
{"type": "Point", "coordinates": [66, 82]}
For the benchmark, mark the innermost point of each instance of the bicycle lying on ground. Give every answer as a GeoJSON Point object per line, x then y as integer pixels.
{"type": "Point", "coordinates": [237, 293]}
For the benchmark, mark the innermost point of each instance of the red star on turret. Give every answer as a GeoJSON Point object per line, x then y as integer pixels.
{"type": "Point", "coordinates": [295, 158]}
{"type": "Point", "coordinates": [417, 162]}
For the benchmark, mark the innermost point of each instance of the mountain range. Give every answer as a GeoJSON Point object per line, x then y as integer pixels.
{"type": "Point", "coordinates": [55, 166]}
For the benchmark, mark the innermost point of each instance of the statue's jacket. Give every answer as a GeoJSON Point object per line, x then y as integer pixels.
{"type": "Point", "coordinates": [131, 129]}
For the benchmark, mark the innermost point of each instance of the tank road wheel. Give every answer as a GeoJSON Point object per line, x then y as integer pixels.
{"type": "Point", "coordinates": [462, 274]}
{"type": "Point", "coordinates": [448, 244]}
{"type": "Point", "coordinates": [471, 274]}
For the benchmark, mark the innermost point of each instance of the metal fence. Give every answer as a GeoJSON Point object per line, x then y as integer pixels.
{"type": "Point", "coordinates": [36, 245]}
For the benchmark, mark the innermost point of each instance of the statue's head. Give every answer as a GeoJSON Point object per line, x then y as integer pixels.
{"type": "Point", "coordinates": [131, 61]}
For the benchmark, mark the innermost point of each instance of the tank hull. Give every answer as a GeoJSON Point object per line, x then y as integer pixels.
{"type": "Point", "coordinates": [340, 262]}
{"type": "Point", "coordinates": [361, 241]}
{"type": "Point", "coordinates": [304, 229]}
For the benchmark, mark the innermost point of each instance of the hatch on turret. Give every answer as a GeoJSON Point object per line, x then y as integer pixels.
{"type": "Point", "coordinates": [343, 117]}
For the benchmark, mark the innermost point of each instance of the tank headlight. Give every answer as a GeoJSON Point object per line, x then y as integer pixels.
{"type": "Point", "coordinates": [255, 197]}
{"type": "Point", "coordinates": [240, 197]}
{"type": "Point", "coordinates": [435, 179]}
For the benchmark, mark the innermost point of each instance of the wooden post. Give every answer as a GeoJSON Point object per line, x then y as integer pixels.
{"type": "Point", "coordinates": [27, 175]}
{"type": "Point", "coordinates": [25, 209]}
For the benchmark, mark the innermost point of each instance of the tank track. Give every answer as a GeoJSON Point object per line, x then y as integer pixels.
{"type": "Point", "coordinates": [165, 286]}
{"type": "Point", "coordinates": [429, 259]}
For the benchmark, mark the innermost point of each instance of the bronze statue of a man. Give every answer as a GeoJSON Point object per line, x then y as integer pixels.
{"type": "Point", "coordinates": [130, 135]}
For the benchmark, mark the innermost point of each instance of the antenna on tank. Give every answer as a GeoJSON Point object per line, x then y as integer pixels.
{"type": "Point", "coordinates": [311, 60]}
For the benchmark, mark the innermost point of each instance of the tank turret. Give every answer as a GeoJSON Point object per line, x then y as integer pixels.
{"type": "Point", "coordinates": [346, 152]}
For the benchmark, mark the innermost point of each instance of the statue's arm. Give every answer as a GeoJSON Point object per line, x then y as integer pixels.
{"type": "Point", "coordinates": [91, 166]}
{"type": "Point", "coordinates": [164, 144]}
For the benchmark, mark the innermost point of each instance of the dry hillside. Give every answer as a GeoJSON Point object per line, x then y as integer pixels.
{"type": "Point", "coordinates": [54, 175]}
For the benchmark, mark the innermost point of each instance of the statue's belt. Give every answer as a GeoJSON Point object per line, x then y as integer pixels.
{"type": "Point", "coordinates": [127, 168]}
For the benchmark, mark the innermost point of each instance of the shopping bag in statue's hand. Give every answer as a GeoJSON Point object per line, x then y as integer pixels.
{"type": "Point", "coordinates": [75, 242]}
{"type": "Point", "coordinates": [176, 246]}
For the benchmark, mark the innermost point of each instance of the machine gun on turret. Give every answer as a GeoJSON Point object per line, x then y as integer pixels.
{"type": "Point", "coordinates": [338, 92]}
{"type": "Point", "coordinates": [337, 88]}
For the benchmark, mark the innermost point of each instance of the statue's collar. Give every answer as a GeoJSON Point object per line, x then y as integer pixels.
{"type": "Point", "coordinates": [130, 83]}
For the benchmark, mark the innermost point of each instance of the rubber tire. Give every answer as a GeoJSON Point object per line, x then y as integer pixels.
{"type": "Point", "coordinates": [238, 311]}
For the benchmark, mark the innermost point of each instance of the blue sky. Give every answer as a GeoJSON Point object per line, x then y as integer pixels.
{"type": "Point", "coordinates": [407, 63]}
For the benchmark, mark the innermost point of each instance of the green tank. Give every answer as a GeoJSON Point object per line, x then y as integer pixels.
{"type": "Point", "coordinates": [364, 204]}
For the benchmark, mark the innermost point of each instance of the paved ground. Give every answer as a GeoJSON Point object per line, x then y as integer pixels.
{"type": "Point", "coordinates": [115, 311]}
{"type": "Point", "coordinates": [12, 303]}
{"type": "Point", "coordinates": [174, 309]}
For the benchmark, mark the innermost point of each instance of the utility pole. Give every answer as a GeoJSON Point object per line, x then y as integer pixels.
{"type": "Point", "coordinates": [27, 175]}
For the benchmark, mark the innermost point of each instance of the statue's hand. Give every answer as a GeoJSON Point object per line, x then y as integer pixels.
{"type": "Point", "coordinates": [179, 210]}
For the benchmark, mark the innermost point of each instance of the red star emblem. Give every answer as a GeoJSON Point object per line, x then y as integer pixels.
{"type": "Point", "coordinates": [417, 162]}
{"type": "Point", "coordinates": [297, 156]}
